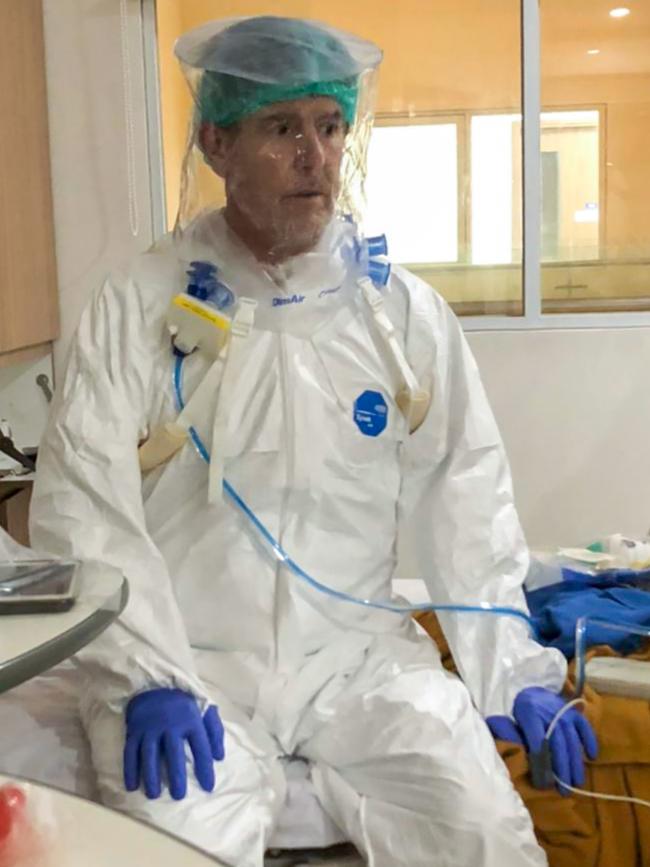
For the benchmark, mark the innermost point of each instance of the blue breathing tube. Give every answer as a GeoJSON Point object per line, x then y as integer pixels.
{"type": "Point", "coordinates": [365, 253]}
{"type": "Point", "coordinates": [282, 556]}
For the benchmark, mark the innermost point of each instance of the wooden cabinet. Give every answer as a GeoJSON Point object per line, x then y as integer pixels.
{"type": "Point", "coordinates": [29, 316]}
{"type": "Point", "coordinates": [15, 496]}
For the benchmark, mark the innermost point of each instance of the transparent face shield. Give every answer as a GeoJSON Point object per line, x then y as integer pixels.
{"type": "Point", "coordinates": [283, 111]}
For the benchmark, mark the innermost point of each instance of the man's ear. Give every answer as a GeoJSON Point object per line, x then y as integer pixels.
{"type": "Point", "coordinates": [215, 143]}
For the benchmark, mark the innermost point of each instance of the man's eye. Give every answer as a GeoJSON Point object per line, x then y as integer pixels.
{"type": "Point", "coordinates": [332, 128]}
{"type": "Point", "coordinates": [282, 129]}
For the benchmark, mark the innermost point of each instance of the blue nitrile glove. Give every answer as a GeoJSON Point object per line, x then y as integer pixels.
{"type": "Point", "coordinates": [504, 729]}
{"type": "Point", "coordinates": [534, 710]}
{"type": "Point", "coordinates": [158, 723]}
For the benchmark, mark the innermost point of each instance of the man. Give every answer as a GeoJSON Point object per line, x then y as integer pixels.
{"type": "Point", "coordinates": [345, 417]}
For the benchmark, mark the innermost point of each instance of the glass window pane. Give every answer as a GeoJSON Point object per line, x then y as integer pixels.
{"type": "Point", "coordinates": [401, 161]}
{"type": "Point", "coordinates": [595, 167]}
{"type": "Point", "coordinates": [570, 142]}
{"type": "Point", "coordinates": [494, 147]}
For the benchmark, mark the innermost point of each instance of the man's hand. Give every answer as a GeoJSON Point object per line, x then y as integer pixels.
{"type": "Point", "coordinates": [534, 710]}
{"type": "Point", "coordinates": [158, 723]}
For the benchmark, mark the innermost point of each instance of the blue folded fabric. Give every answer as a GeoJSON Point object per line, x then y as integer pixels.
{"type": "Point", "coordinates": [634, 577]}
{"type": "Point", "coordinates": [555, 610]}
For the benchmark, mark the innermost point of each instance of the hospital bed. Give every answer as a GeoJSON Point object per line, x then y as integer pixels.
{"type": "Point", "coordinates": [41, 738]}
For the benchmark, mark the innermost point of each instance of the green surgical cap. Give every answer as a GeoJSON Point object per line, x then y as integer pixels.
{"type": "Point", "coordinates": [254, 62]}
{"type": "Point", "coordinates": [223, 100]}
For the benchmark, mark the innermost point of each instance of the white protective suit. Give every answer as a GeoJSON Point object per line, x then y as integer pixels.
{"type": "Point", "coordinates": [400, 758]}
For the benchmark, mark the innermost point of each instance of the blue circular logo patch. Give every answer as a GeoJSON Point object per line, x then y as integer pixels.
{"type": "Point", "coordinates": [371, 413]}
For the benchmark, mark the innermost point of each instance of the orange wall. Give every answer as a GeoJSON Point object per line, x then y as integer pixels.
{"type": "Point", "coordinates": [174, 98]}
{"type": "Point", "coordinates": [426, 65]}
{"type": "Point", "coordinates": [436, 59]}
{"type": "Point", "coordinates": [626, 99]}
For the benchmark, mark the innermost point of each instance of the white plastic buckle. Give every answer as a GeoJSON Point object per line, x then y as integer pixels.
{"type": "Point", "coordinates": [412, 400]}
{"type": "Point", "coordinates": [244, 319]}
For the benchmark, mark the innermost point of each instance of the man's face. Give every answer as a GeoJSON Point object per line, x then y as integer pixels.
{"type": "Point", "coordinates": [282, 170]}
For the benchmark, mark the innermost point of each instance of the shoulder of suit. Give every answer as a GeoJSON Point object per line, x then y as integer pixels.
{"type": "Point", "coordinates": [423, 302]}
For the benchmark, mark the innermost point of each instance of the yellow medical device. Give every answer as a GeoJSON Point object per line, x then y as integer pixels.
{"type": "Point", "coordinates": [195, 324]}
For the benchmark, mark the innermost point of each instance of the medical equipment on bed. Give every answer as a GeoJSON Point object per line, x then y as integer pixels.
{"type": "Point", "coordinates": [614, 675]}
{"type": "Point", "coordinates": [616, 557]}
{"type": "Point", "coordinates": [611, 675]}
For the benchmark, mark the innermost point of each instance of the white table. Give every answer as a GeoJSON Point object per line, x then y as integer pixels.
{"type": "Point", "coordinates": [90, 835]}
{"type": "Point", "coordinates": [32, 643]}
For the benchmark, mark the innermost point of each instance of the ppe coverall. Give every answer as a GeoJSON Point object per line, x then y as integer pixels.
{"type": "Point", "coordinates": [400, 756]}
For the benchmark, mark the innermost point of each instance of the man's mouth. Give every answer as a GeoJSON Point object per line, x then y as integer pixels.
{"type": "Point", "coordinates": [306, 194]}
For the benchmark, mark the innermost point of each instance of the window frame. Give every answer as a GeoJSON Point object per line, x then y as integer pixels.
{"type": "Point", "coordinates": [459, 120]}
{"type": "Point", "coordinates": [601, 110]}
{"type": "Point", "coordinates": [533, 316]}
{"type": "Point", "coordinates": [462, 120]}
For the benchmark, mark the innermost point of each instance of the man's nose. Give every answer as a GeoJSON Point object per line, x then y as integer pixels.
{"type": "Point", "coordinates": [310, 153]}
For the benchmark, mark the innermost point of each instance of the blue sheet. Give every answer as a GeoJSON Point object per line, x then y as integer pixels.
{"type": "Point", "coordinates": [556, 608]}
